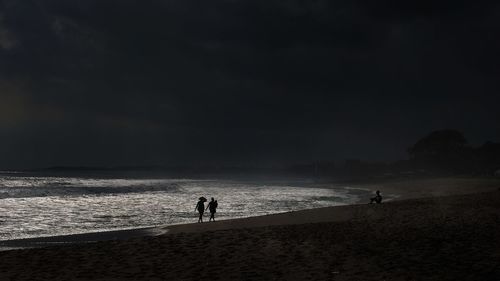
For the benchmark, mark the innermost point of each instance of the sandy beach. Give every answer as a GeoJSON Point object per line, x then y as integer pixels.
{"type": "Point", "coordinates": [440, 229]}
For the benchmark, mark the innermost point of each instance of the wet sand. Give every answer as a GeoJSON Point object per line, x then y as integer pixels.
{"type": "Point", "coordinates": [451, 237]}
{"type": "Point", "coordinates": [79, 238]}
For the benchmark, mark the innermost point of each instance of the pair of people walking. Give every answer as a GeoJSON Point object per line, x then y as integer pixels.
{"type": "Point", "coordinates": [212, 206]}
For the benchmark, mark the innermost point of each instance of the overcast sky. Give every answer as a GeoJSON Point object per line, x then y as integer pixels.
{"type": "Point", "coordinates": [95, 82]}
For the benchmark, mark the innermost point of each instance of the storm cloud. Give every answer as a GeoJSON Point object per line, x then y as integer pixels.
{"type": "Point", "coordinates": [183, 81]}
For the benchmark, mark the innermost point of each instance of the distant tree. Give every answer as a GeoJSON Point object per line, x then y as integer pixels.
{"type": "Point", "coordinates": [444, 149]}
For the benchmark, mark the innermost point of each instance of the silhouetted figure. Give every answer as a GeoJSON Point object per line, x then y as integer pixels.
{"type": "Point", "coordinates": [377, 199]}
{"type": "Point", "coordinates": [212, 206]}
{"type": "Point", "coordinates": [200, 206]}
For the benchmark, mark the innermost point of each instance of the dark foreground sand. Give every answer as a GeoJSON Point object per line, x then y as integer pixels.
{"type": "Point", "coordinates": [438, 238]}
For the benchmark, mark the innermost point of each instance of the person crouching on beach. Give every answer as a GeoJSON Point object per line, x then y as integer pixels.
{"type": "Point", "coordinates": [200, 206]}
{"type": "Point", "coordinates": [377, 199]}
{"type": "Point", "coordinates": [212, 205]}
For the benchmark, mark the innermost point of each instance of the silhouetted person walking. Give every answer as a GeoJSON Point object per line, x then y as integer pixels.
{"type": "Point", "coordinates": [212, 206]}
{"type": "Point", "coordinates": [200, 206]}
{"type": "Point", "coordinates": [377, 199]}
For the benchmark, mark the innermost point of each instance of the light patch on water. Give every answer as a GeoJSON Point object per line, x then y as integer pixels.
{"type": "Point", "coordinates": [45, 206]}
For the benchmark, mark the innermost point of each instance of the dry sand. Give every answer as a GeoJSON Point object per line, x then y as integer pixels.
{"type": "Point", "coordinates": [454, 237]}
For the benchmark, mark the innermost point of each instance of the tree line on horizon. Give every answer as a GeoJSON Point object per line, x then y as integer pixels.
{"type": "Point", "coordinates": [440, 152]}
{"type": "Point", "coordinates": [448, 150]}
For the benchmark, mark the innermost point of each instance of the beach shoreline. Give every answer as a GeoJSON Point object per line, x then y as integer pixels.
{"type": "Point", "coordinates": [399, 189]}
{"type": "Point", "coordinates": [449, 237]}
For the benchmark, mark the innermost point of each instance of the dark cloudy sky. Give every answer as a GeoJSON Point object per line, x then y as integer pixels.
{"type": "Point", "coordinates": [96, 82]}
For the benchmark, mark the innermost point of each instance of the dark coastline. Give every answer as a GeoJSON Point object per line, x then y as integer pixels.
{"type": "Point", "coordinates": [435, 238]}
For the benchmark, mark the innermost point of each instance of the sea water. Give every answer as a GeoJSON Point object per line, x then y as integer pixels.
{"type": "Point", "coordinates": [37, 206]}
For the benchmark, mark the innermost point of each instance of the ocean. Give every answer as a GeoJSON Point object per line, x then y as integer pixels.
{"type": "Point", "coordinates": [34, 205]}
